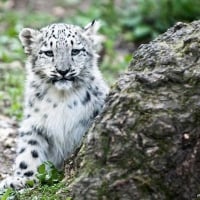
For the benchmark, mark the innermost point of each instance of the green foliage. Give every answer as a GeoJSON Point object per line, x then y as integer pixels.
{"type": "Point", "coordinates": [11, 90]}
{"type": "Point", "coordinates": [151, 17]}
{"type": "Point", "coordinates": [50, 186]}
{"type": "Point", "coordinates": [48, 174]}
{"type": "Point", "coordinates": [7, 194]}
{"type": "Point", "coordinates": [8, 39]}
{"type": "Point", "coordinates": [10, 46]}
{"type": "Point", "coordinates": [56, 191]}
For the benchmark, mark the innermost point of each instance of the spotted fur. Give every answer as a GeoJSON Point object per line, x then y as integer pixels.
{"type": "Point", "coordinates": [64, 93]}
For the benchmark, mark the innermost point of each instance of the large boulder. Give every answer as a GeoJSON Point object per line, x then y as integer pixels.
{"type": "Point", "coordinates": [146, 143]}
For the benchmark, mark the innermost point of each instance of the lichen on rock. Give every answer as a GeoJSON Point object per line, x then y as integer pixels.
{"type": "Point", "coordinates": [146, 143]}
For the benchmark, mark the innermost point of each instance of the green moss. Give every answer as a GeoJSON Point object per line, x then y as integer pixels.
{"type": "Point", "coordinates": [103, 191]}
{"type": "Point", "coordinates": [105, 144]}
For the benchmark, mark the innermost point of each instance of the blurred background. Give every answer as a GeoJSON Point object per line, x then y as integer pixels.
{"type": "Point", "coordinates": [125, 23]}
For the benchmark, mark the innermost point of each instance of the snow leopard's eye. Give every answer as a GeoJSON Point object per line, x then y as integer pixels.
{"type": "Point", "coordinates": [75, 52]}
{"type": "Point", "coordinates": [48, 53]}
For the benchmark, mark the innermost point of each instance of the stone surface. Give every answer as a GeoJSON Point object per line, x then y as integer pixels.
{"type": "Point", "coordinates": [146, 144]}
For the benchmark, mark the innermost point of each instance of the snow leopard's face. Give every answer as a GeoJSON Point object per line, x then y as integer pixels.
{"type": "Point", "coordinates": [61, 54]}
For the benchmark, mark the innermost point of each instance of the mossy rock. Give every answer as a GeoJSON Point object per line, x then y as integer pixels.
{"type": "Point", "coordinates": [146, 143]}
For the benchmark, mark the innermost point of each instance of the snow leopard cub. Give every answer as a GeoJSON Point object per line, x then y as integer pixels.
{"type": "Point", "coordinates": [64, 93]}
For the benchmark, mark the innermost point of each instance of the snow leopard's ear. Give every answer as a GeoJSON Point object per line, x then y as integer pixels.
{"type": "Point", "coordinates": [92, 27]}
{"type": "Point", "coordinates": [91, 32]}
{"type": "Point", "coordinates": [27, 37]}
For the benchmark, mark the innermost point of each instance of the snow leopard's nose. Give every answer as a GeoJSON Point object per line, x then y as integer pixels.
{"type": "Point", "coordinates": [62, 72]}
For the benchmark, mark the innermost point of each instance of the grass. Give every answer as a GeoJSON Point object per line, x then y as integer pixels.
{"type": "Point", "coordinates": [50, 186]}
{"type": "Point", "coordinates": [56, 191]}
{"type": "Point", "coordinates": [45, 192]}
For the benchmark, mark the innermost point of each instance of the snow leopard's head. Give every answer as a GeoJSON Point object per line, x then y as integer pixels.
{"type": "Point", "coordinates": [62, 54]}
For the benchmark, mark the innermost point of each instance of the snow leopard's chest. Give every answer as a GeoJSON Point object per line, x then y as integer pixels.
{"type": "Point", "coordinates": [62, 118]}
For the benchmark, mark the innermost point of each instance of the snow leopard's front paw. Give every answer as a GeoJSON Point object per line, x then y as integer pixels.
{"type": "Point", "coordinates": [13, 182]}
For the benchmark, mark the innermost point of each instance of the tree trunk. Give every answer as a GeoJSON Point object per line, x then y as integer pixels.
{"type": "Point", "coordinates": [146, 143]}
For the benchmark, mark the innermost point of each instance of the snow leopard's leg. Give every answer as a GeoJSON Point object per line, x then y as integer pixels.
{"type": "Point", "coordinates": [32, 150]}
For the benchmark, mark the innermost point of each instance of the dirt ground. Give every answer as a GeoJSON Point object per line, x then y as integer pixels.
{"type": "Point", "coordinates": [8, 131]}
